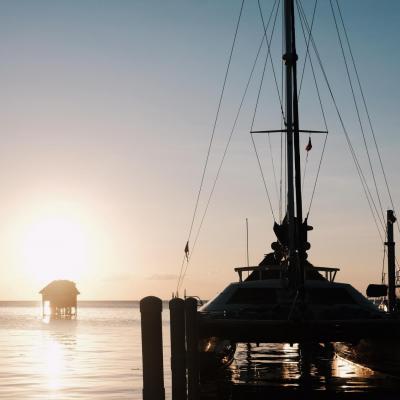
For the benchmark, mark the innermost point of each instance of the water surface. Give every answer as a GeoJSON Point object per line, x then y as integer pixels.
{"type": "Point", "coordinates": [98, 356]}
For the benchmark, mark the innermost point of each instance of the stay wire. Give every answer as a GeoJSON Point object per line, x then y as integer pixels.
{"type": "Point", "coordinates": [352, 152]}
{"type": "Point", "coordinates": [304, 174]}
{"type": "Point", "coordinates": [301, 83]}
{"type": "Point", "coordinates": [269, 54]}
{"type": "Point", "coordinates": [226, 148]}
{"type": "Point", "coordinates": [367, 112]}
{"type": "Point", "coordinates": [212, 136]}
{"type": "Point", "coordinates": [382, 220]}
{"type": "Point", "coordinates": [273, 164]}
{"type": "Point", "coordinates": [265, 27]}
{"type": "Point", "coordinates": [322, 113]}
{"type": "Point", "coordinates": [369, 121]}
{"type": "Point", "coordinates": [256, 107]}
{"type": "Point", "coordinates": [307, 49]}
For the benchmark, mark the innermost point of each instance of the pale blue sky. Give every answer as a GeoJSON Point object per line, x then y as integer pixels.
{"type": "Point", "coordinates": [106, 109]}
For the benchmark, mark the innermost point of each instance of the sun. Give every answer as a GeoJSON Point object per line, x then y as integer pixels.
{"type": "Point", "coordinates": [55, 247]}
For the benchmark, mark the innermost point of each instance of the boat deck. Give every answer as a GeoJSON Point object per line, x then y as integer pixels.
{"type": "Point", "coordinates": [266, 331]}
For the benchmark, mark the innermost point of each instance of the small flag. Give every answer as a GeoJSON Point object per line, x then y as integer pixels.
{"type": "Point", "coordinates": [187, 250]}
{"type": "Point", "coordinates": [309, 144]}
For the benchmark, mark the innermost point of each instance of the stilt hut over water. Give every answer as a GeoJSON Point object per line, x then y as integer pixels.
{"type": "Point", "coordinates": [59, 299]}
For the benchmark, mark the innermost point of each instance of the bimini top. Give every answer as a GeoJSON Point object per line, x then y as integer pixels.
{"type": "Point", "coordinates": [60, 286]}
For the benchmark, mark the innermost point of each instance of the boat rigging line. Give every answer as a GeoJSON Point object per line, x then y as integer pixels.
{"type": "Point", "coordinates": [186, 256]}
{"type": "Point", "coordinates": [308, 56]}
{"type": "Point", "coordinates": [257, 101]}
{"type": "Point", "coordinates": [382, 220]}
{"type": "Point", "coordinates": [265, 27]}
{"type": "Point", "coordinates": [374, 200]}
{"type": "Point", "coordinates": [280, 97]}
{"type": "Point", "coordinates": [300, 86]}
{"type": "Point", "coordinates": [307, 49]}
{"type": "Point", "coordinates": [367, 112]}
{"type": "Point", "coordinates": [268, 139]}
{"type": "Point", "coordinates": [320, 104]}
{"type": "Point", "coordinates": [361, 175]}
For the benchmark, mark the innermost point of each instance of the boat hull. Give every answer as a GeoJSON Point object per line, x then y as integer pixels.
{"type": "Point", "coordinates": [378, 355]}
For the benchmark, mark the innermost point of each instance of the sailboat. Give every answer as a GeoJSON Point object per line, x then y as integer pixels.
{"type": "Point", "coordinates": [286, 298]}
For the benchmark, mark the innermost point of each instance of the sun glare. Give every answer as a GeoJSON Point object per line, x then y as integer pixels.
{"type": "Point", "coordinates": [55, 247]}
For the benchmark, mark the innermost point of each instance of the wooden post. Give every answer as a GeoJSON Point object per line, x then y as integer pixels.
{"type": "Point", "coordinates": [391, 219]}
{"type": "Point", "coordinates": [152, 352]}
{"type": "Point", "coordinates": [192, 350]}
{"type": "Point", "coordinates": [178, 350]}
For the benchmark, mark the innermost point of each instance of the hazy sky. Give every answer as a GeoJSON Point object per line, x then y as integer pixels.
{"type": "Point", "coordinates": [106, 110]}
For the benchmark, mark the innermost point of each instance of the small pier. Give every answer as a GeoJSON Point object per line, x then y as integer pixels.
{"type": "Point", "coordinates": [188, 328]}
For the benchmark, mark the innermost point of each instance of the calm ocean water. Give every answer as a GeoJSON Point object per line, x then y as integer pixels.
{"type": "Point", "coordinates": [98, 356]}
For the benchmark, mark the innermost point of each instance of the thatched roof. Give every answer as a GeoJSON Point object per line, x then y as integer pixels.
{"type": "Point", "coordinates": [60, 287]}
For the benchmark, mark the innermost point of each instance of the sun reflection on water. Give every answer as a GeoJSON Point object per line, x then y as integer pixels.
{"type": "Point", "coordinates": [344, 368]}
{"type": "Point", "coordinates": [54, 365]}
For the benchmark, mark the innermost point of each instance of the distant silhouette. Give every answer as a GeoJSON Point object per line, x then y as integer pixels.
{"type": "Point", "coordinates": [62, 297]}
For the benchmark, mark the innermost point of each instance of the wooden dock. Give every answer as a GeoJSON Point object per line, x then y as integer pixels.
{"type": "Point", "coordinates": [188, 326]}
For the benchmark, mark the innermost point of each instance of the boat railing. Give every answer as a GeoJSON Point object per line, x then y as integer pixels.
{"type": "Point", "coordinates": [329, 272]}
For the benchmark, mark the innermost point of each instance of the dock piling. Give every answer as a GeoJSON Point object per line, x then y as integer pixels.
{"type": "Point", "coordinates": [152, 352]}
{"type": "Point", "coordinates": [192, 348]}
{"type": "Point", "coordinates": [178, 350]}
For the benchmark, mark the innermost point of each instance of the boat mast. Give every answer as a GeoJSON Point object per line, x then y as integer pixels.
{"type": "Point", "coordinates": [294, 200]}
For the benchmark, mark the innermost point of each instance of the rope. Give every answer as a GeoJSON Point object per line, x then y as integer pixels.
{"type": "Point", "coordinates": [225, 152]}
{"type": "Point", "coordinates": [301, 84]}
{"type": "Point", "coordinates": [369, 123]}
{"type": "Point", "coordinates": [269, 53]}
{"type": "Point", "coordinates": [382, 220]}
{"type": "Point", "coordinates": [367, 112]}
{"type": "Point", "coordinates": [268, 137]}
{"type": "Point", "coordinates": [304, 175]}
{"type": "Point", "coordinates": [212, 138]}
{"type": "Point", "coordinates": [265, 27]}
{"type": "Point", "coordinates": [323, 116]}
{"type": "Point", "coordinates": [256, 107]}
{"type": "Point", "coordinates": [307, 49]}
{"type": "Point", "coordinates": [352, 152]}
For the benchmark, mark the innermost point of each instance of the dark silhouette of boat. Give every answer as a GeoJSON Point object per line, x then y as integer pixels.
{"type": "Point", "coordinates": [286, 293]}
